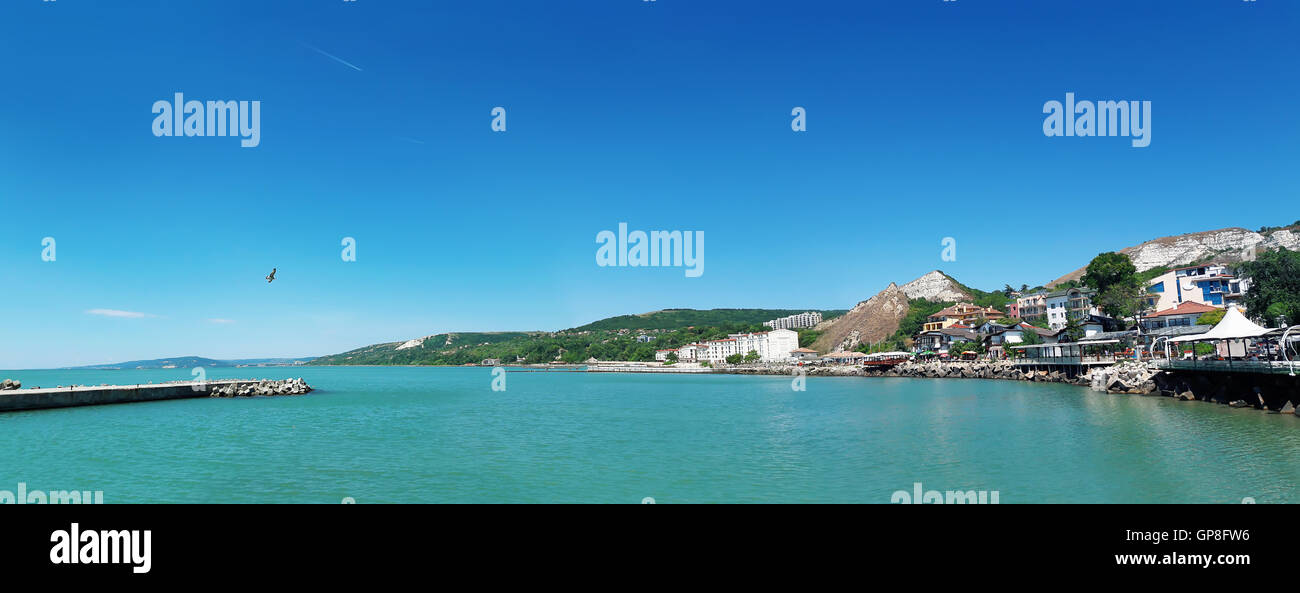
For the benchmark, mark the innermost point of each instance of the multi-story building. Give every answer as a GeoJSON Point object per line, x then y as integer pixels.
{"type": "Point", "coordinates": [662, 355]}
{"type": "Point", "coordinates": [796, 321]}
{"type": "Point", "coordinates": [691, 352]}
{"type": "Point", "coordinates": [771, 346]}
{"type": "Point", "coordinates": [961, 313]}
{"type": "Point", "coordinates": [939, 340]}
{"type": "Point", "coordinates": [1031, 306]}
{"type": "Point", "coordinates": [1072, 303]}
{"type": "Point", "coordinates": [1210, 284]}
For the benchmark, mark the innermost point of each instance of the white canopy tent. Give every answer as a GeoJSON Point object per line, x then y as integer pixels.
{"type": "Point", "coordinates": [888, 355]}
{"type": "Point", "coordinates": [1234, 329]}
{"type": "Point", "coordinates": [1234, 326]}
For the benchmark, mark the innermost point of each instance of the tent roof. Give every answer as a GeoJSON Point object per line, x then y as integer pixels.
{"type": "Point", "coordinates": [888, 354]}
{"type": "Point", "coordinates": [1234, 326]}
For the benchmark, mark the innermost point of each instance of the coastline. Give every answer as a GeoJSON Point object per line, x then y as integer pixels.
{"type": "Point", "coordinates": [1122, 379]}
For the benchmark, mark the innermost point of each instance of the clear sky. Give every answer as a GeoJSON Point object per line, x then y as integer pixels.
{"type": "Point", "coordinates": [924, 121]}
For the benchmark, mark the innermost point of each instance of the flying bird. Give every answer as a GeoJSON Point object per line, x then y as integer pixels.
{"type": "Point", "coordinates": [271, 278]}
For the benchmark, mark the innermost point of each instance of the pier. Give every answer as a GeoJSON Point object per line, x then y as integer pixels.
{"type": "Point", "coordinates": [90, 395]}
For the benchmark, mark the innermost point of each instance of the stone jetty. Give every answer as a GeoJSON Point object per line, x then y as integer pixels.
{"type": "Point", "coordinates": [15, 398]}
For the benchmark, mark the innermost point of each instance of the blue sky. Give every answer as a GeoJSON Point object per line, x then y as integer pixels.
{"type": "Point", "coordinates": [924, 121]}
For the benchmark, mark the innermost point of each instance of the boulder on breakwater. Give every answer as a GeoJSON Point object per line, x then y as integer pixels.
{"type": "Point", "coordinates": [264, 387]}
{"type": "Point", "coordinates": [1124, 377]}
{"type": "Point", "coordinates": [980, 369]}
{"type": "Point", "coordinates": [9, 384]}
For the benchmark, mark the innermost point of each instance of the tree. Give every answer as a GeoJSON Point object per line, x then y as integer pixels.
{"type": "Point", "coordinates": [1274, 285]}
{"type": "Point", "coordinates": [1073, 329]}
{"type": "Point", "coordinates": [1211, 317]}
{"type": "Point", "coordinates": [752, 356]}
{"type": "Point", "coordinates": [1114, 277]}
{"type": "Point", "coordinates": [1109, 269]}
{"type": "Point", "coordinates": [1121, 300]}
{"type": "Point", "coordinates": [672, 357]}
{"type": "Point", "coordinates": [734, 359]}
{"type": "Point", "coordinates": [807, 337]}
{"type": "Point", "coordinates": [1030, 337]}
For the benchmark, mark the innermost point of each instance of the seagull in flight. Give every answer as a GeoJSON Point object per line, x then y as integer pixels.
{"type": "Point", "coordinates": [271, 278]}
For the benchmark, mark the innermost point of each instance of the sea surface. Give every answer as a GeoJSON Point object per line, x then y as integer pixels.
{"type": "Point", "coordinates": [410, 434]}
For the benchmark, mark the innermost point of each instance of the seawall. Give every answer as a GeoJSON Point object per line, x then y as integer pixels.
{"type": "Point", "coordinates": [65, 397]}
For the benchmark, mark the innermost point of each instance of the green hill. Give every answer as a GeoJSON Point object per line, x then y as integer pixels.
{"type": "Point", "coordinates": [453, 348]}
{"type": "Point", "coordinates": [615, 338]}
{"type": "Point", "coordinates": [187, 362]}
{"type": "Point", "coordinates": [669, 319]}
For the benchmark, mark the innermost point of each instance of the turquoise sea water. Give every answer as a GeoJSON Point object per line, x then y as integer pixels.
{"type": "Point", "coordinates": [442, 435]}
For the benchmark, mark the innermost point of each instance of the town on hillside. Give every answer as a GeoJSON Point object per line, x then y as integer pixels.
{"type": "Point", "coordinates": [1208, 312]}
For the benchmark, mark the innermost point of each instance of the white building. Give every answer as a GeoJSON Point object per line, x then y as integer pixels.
{"type": "Point", "coordinates": [691, 352]}
{"type": "Point", "coordinates": [771, 346]}
{"type": "Point", "coordinates": [1074, 303]}
{"type": "Point", "coordinates": [796, 321]}
{"type": "Point", "coordinates": [662, 355]}
{"type": "Point", "coordinates": [1210, 284]}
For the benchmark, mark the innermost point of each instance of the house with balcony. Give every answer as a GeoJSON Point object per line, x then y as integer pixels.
{"type": "Point", "coordinates": [940, 340]}
{"type": "Point", "coordinates": [1209, 284]}
{"type": "Point", "coordinates": [1071, 303]}
{"type": "Point", "coordinates": [961, 313]}
{"type": "Point", "coordinates": [1031, 306]}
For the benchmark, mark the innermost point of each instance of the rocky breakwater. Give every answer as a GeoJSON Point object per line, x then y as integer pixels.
{"type": "Point", "coordinates": [9, 384]}
{"type": "Point", "coordinates": [1124, 377]}
{"type": "Point", "coordinates": [979, 369]}
{"type": "Point", "coordinates": [264, 387]}
{"type": "Point", "coordinates": [789, 369]}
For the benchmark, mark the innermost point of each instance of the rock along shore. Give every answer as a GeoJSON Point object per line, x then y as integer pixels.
{"type": "Point", "coordinates": [263, 387]}
{"type": "Point", "coordinates": [1277, 393]}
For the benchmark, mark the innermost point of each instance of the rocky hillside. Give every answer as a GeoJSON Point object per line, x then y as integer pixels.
{"type": "Point", "coordinates": [871, 320]}
{"type": "Point", "coordinates": [936, 286]}
{"type": "Point", "coordinates": [1228, 245]}
{"type": "Point", "coordinates": [877, 318]}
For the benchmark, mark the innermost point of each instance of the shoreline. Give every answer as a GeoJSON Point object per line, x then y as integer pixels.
{"type": "Point", "coordinates": [1273, 394]}
{"type": "Point", "coordinates": [1120, 379]}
